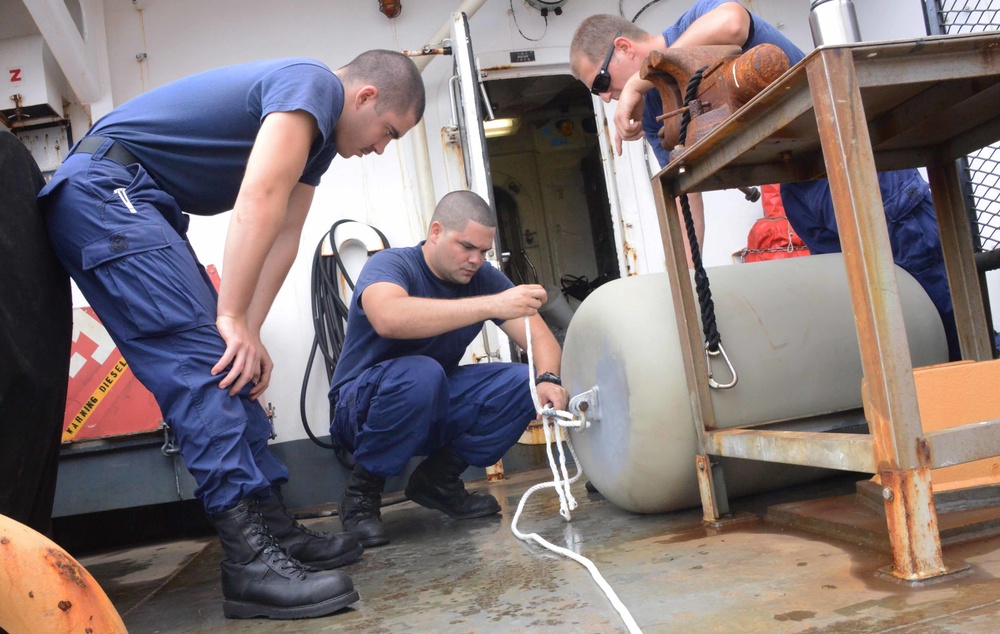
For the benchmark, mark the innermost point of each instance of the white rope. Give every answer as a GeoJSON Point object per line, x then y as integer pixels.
{"type": "Point", "coordinates": [561, 482]}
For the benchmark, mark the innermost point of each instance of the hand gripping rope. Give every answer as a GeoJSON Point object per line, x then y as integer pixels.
{"type": "Point", "coordinates": [551, 418]}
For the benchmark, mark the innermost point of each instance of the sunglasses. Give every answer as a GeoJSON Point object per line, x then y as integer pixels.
{"type": "Point", "coordinates": [602, 82]}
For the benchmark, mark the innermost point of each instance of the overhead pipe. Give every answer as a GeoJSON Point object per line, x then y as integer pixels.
{"type": "Point", "coordinates": [418, 135]}
{"type": "Point", "coordinates": [71, 49]}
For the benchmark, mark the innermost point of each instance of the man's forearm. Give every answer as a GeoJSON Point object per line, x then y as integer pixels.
{"type": "Point", "coordinates": [420, 317]}
{"type": "Point", "coordinates": [544, 348]}
{"type": "Point", "coordinates": [276, 266]}
{"type": "Point", "coordinates": [280, 258]}
{"type": "Point", "coordinates": [262, 206]}
{"type": "Point", "coordinates": [252, 233]}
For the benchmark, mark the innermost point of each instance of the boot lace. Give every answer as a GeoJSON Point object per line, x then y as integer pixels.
{"type": "Point", "coordinates": [366, 505]}
{"type": "Point", "coordinates": [296, 526]}
{"type": "Point", "coordinates": [453, 485]}
{"type": "Point", "coordinates": [310, 532]}
{"type": "Point", "coordinates": [270, 548]}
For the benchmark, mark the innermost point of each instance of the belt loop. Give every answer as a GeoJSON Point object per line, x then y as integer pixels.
{"type": "Point", "coordinates": [101, 151]}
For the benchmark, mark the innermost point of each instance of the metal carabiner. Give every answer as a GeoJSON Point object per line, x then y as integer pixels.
{"type": "Point", "coordinates": [169, 447]}
{"type": "Point", "coordinates": [708, 362]}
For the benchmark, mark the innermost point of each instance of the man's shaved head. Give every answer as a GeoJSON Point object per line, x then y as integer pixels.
{"type": "Point", "coordinates": [456, 209]}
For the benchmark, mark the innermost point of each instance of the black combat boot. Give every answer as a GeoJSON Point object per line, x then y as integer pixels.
{"type": "Point", "coordinates": [259, 579]}
{"type": "Point", "coordinates": [360, 508]}
{"type": "Point", "coordinates": [318, 550]}
{"type": "Point", "coordinates": [437, 484]}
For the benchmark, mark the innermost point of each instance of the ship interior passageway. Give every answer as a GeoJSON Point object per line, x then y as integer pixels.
{"type": "Point", "coordinates": [673, 573]}
{"type": "Point", "coordinates": [554, 217]}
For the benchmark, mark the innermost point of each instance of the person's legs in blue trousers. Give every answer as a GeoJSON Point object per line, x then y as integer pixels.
{"type": "Point", "coordinates": [122, 240]}
{"type": "Point", "coordinates": [409, 407]}
{"type": "Point", "coordinates": [384, 417]}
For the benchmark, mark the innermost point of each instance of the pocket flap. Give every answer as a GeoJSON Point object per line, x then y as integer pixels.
{"type": "Point", "coordinates": [122, 242]}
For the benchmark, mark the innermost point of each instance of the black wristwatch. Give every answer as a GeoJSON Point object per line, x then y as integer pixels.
{"type": "Point", "coordinates": [548, 377]}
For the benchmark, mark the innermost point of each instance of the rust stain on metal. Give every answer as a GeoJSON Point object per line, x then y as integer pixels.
{"type": "Point", "coordinates": [631, 259]}
{"type": "Point", "coordinates": [427, 50]}
{"type": "Point", "coordinates": [535, 434]}
{"type": "Point", "coordinates": [706, 489]}
{"type": "Point", "coordinates": [494, 472]}
{"type": "Point", "coordinates": [912, 523]}
{"type": "Point", "coordinates": [731, 78]}
{"type": "Point", "coordinates": [68, 569]}
{"type": "Point", "coordinates": [341, 278]}
{"type": "Point", "coordinates": [923, 452]}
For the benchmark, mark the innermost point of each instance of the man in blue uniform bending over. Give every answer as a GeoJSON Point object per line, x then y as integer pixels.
{"type": "Point", "coordinates": [399, 391]}
{"type": "Point", "coordinates": [606, 54]}
{"type": "Point", "coordinates": [253, 138]}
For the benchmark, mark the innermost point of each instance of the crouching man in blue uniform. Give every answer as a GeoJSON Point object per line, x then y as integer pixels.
{"type": "Point", "coordinates": [254, 138]}
{"type": "Point", "coordinates": [399, 391]}
{"type": "Point", "coordinates": [606, 54]}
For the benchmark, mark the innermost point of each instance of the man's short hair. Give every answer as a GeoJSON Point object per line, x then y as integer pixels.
{"type": "Point", "coordinates": [397, 78]}
{"type": "Point", "coordinates": [456, 209]}
{"type": "Point", "coordinates": [594, 36]}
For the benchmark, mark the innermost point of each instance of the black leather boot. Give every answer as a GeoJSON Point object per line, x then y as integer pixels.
{"type": "Point", "coordinates": [360, 508]}
{"type": "Point", "coordinates": [318, 550]}
{"type": "Point", "coordinates": [259, 579]}
{"type": "Point", "coordinates": [437, 484]}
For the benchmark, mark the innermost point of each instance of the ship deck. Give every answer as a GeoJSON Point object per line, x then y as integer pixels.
{"type": "Point", "coordinates": [672, 572]}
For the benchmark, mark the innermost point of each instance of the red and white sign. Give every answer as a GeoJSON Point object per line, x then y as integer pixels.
{"type": "Point", "coordinates": [104, 397]}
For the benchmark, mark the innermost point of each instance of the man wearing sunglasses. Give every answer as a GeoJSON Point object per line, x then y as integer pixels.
{"type": "Point", "coordinates": [606, 54]}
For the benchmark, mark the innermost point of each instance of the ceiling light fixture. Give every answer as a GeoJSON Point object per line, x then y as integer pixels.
{"type": "Point", "coordinates": [501, 127]}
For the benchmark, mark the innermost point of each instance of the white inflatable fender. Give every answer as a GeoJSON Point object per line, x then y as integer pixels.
{"type": "Point", "coordinates": [788, 328]}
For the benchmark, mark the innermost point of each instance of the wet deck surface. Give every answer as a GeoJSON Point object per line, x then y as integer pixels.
{"type": "Point", "coordinates": [673, 574]}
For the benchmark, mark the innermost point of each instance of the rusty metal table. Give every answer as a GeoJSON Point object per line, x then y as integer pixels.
{"type": "Point", "coordinates": [842, 113]}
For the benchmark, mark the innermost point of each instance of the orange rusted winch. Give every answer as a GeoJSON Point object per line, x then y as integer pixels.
{"type": "Point", "coordinates": [731, 79]}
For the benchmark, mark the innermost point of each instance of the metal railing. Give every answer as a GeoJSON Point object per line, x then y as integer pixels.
{"type": "Point", "coordinates": [981, 169]}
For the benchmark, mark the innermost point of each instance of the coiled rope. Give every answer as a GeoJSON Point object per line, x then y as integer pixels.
{"type": "Point", "coordinates": [329, 314]}
{"type": "Point", "coordinates": [551, 420]}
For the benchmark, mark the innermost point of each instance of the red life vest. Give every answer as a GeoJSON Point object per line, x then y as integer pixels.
{"type": "Point", "coordinates": [772, 237]}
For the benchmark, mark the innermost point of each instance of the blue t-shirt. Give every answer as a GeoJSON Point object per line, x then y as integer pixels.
{"type": "Point", "coordinates": [760, 33]}
{"type": "Point", "coordinates": [194, 135]}
{"type": "Point", "coordinates": [406, 267]}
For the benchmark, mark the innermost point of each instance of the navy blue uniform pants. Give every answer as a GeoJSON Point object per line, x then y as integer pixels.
{"type": "Point", "coordinates": [123, 241]}
{"type": "Point", "coordinates": [912, 227]}
{"type": "Point", "coordinates": [409, 407]}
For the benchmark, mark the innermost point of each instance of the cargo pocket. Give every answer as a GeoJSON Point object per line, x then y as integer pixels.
{"type": "Point", "coordinates": [355, 400]}
{"type": "Point", "coordinates": [157, 282]}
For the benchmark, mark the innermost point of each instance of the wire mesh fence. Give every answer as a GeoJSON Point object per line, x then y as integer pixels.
{"type": "Point", "coordinates": [982, 168]}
